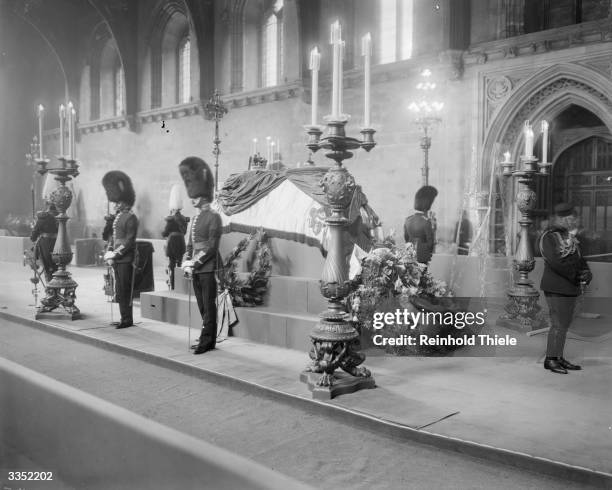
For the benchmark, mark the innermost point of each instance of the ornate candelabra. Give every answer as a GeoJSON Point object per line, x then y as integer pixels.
{"type": "Point", "coordinates": [522, 310]}
{"type": "Point", "coordinates": [335, 340]}
{"type": "Point", "coordinates": [426, 113]}
{"type": "Point", "coordinates": [215, 109]}
{"type": "Point", "coordinates": [61, 290]}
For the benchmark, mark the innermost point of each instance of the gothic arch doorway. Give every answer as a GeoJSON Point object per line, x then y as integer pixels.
{"type": "Point", "coordinates": [576, 101]}
{"type": "Point", "coordinates": [582, 175]}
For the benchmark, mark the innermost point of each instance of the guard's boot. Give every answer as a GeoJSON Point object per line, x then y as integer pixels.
{"type": "Point", "coordinates": [568, 365]}
{"type": "Point", "coordinates": [553, 364]}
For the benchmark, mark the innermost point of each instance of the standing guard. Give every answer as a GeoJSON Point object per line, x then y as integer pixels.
{"type": "Point", "coordinates": [202, 259]}
{"type": "Point", "coordinates": [44, 235]}
{"type": "Point", "coordinates": [174, 233]}
{"type": "Point", "coordinates": [121, 249]}
{"type": "Point", "coordinates": [419, 228]}
{"type": "Point", "coordinates": [566, 273]}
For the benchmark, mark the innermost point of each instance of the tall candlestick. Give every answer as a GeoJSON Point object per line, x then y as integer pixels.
{"type": "Point", "coordinates": [544, 142]}
{"type": "Point", "coordinates": [41, 115]}
{"type": "Point", "coordinates": [272, 154]}
{"type": "Point", "coordinates": [315, 64]}
{"type": "Point", "coordinates": [278, 147]}
{"type": "Point", "coordinates": [336, 35]}
{"type": "Point", "coordinates": [528, 139]}
{"type": "Point", "coordinates": [73, 149]}
{"type": "Point", "coordinates": [366, 52]}
{"type": "Point", "coordinates": [268, 156]}
{"type": "Point", "coordinates": [62, 119]}
{"type": "Point", "coordinates": [254, 146]}
{"type": "Point", "coordinates": [70, 135]}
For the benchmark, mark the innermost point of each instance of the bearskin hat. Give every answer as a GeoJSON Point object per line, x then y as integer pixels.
{"type": "Point", "coordinates": [424, 198]}
{"type": "Point", "coordinates": [198, 178]}
{"type": "Point", "coordinates": [118, 187]}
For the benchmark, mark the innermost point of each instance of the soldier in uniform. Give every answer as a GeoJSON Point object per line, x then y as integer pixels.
{"type": "Point", "coordinates": [419, 229]}
{"type": "Point", "coordinates": [202, 259]}
{"type": "Point", "coordinates": [565, 275]}
{"type": "Point", "coordinates": [121, 249]}
{"type": "Point", "coordinates": [44, 235]}
{"type": "Point", "coordinates": [174, 233]}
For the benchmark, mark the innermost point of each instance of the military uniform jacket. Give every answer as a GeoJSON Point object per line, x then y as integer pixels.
{"type": "Point", "coordinates": [123, 240]}
{"type": "Point", "coordinates": [419, 231]}
{"type": "Point", "coordinates": [174, 232]}
{"type": "Point", "coordinates": [45, 224]}
{"type": "Point", "coordinates": [203, 241]}
{"type": "Point", "coordinates": [563, 262]}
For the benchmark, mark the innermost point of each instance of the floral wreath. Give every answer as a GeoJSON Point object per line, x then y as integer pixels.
{"type": "Point", "coordinates": [391, 275]}
{"type": "Point", "coordinates": [251, 291]}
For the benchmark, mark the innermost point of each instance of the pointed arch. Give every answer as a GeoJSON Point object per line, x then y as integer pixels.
{"type": "Point", "coordinates": [544, 96]}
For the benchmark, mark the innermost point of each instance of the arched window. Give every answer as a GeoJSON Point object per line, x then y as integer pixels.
{"type": "Point", "coordinates": [184, 71]}
{"type": "Point", "coordinates": [272, 45]}
{"type": "Point", "coordinates": [395, 40]}
{"type": "Point", "coordinates": [119, 89]}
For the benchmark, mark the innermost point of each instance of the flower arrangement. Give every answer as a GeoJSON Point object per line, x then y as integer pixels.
{"type": "Point", "coordinates": [249, 292]}
{"type": "Point", "coordinates": [391, 278]}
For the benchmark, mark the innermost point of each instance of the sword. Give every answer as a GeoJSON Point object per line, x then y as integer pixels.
{"type": "Point", "coordinates": [189, 314]}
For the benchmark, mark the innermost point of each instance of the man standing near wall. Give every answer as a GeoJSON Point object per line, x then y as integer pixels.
{"type": "Point", "coordinates": [202, 259]}
{"type": "Point", "coordinates": [419, 228]}
{"type": "Point", "coordinates": [121, 250]}
{"type": "Point", "coordinates": [565, 275]}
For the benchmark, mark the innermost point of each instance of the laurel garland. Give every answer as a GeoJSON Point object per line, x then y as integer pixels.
{"type": "Point", "coordinates": [249, 292]}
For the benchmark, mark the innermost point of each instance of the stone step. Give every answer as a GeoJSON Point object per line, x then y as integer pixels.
{"type": "Point", "coordinates": [263, 324]}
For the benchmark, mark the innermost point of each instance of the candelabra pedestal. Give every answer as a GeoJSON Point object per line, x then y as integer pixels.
{"type": "Point", "coordinates": [60, 293]}
{"type": "Point", "coordinates": [335, 340]}
{"type": "Point", "coordinates": [523, 313]}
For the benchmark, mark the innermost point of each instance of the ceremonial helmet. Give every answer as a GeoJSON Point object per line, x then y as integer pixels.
{"type": "Point", "coordinates": [175, 202]}
{"type": "Point", "coordinates": [118, 187]}
{"type": "Point", "coordinates": [424, 198]}
{"type": "Point", "coordinates": [198, 178]}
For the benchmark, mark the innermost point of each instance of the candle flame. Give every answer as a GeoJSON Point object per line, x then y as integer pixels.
{"type": "Point", "coordinates": [315, 59]}
{"type": "Point", "coordinates": [40, 108]}
{"type": "Point", "coordinates": [366, 45]}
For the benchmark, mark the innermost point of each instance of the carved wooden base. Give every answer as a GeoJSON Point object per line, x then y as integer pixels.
{"type": "Point", "coordinates": [341, 384]}
{"type": "Point", "coordinates": [523, 313]}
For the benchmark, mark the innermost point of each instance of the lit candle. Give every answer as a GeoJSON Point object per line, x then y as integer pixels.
{"type": "Point", "coordinates": [366, 52]}
{"type": "Point", "coordinates": [544, 142]}
{"type": "Point", "coordinates": [62, 119]}
{"type": "Point", "coordinates": [336, 35]}
{"type": "Point", "coordinates": [340, 78]}
{"type": "Point", "coordinates": [528, 140]}
{"type": "Point", "coordinates": [315, 64]}
{"type": "Point", "coordinates": [278, 147]}
{"type": "Point", "coordinates": [268, 141]}
{"type": "Point", "coordinates": [254, 146]}
{"type": "Point", "coordinates": [272, 158]}
{"type": "Point", "coordinates": [506, 157]}
{"type": "Point", "coordinates": [41, 115]}
{"type": "Point", "coordinates": [73, 149]}
{"type": "Point", "coordinates": [70, 135]}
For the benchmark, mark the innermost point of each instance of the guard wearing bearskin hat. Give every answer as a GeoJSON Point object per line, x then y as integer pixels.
{"type": "Point", "coordinates": [202, 260]}
{"type": "Point", "coordinates": [121, 248]}
{"type": "Point", "coordinates": [419, 229]}
{"type": "Point", "coordinates": [174, 233]}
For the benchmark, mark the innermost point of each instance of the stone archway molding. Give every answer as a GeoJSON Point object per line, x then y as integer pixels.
{"type": "Point", "coordinates": [544, 96]}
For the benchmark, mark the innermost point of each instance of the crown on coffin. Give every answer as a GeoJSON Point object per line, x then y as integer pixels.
{"type": "Point", "coordinates": [257, 162]}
